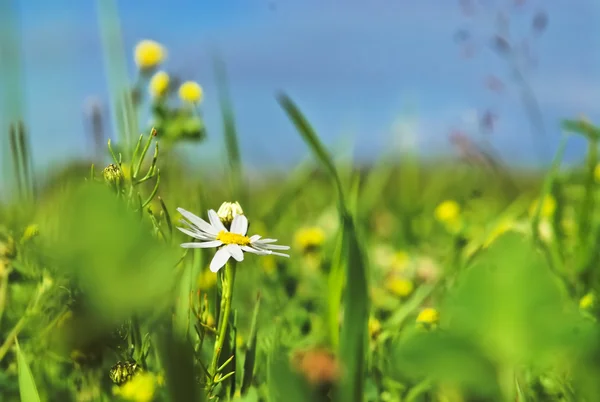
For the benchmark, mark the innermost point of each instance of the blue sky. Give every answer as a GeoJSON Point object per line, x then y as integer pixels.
{"type": "Point", "coordinates": [355, 67]}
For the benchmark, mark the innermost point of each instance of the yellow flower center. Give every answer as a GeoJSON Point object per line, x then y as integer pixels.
{"type": "Point", "coordinates": [233, 238]}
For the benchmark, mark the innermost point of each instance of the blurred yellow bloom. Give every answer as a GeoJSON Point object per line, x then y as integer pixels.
{"type": "Point", "coordinates": [400, 287]}
{"type": "Point", "coordinates": [269, 264]}
{"type": "Point", "coordinates": [310, 238]}
{"type": "Point", "coordinates": [148, 54]}
{"type": "Point", "coordinates": [190, 92]}
{"type": "Point", "coordinates": [448, 213]}
{"type": "Point", "coordinates": [547, 209]}
{"type": "Point", "coordinates": [374, 327]}
{"type": "Point", "coordinates": [597, 173]}
{"type": "Point", "coordinates": [400, 261]}
{"type": "Point", "coordinates": [206, 280]}
{"type": "Point", "coordinates": [428, 316]}
{"type": "Point", "coordinates": [159, 83]}
{"type": "Point", "coordinates": [587, 301]}
{"type": "Point", "coordinates": [30, 232]}
{"type": "Point", "coordinates": [140, 388]}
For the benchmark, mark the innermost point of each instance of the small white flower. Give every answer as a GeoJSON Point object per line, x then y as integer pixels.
{"type": "Point", "coordinates": [231, 243]}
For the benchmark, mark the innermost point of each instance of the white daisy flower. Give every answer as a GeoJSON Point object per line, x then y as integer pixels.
{"type": "Point", "coordinates": [231, 243]}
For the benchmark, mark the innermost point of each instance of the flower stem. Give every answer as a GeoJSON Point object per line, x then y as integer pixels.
{"type": "Point", "coordinates": [228, 281]}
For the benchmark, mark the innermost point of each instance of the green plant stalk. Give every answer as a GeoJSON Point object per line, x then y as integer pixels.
{"type": "Point", "coordinates": [228, 281]}
{"type": "Point", "coordinates": [588, 202]}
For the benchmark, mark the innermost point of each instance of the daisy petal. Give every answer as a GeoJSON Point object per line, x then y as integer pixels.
{"type": "Point", "coordinates": [215, 221]}
{"type": "Point", "coordinates": [239, 225]}
{"type": "Point", "coordinates": [276, 247]}
{"type": "Point", "coordinates": [267, 241]}
{"type": "Point", "coordinates": [209, 244]}
{"type": "Point", "coordinates": [235, 251]}
{"type": "Point", "coordinates": [254, 238]}
{"type": "Point", "coordinates": [253, 250]}
{"type": "Point", "coordinates": [280, 254]}
{"type": "Point", "coordinates": [196, 245]}
{"type": "Point", "coordinates": [195, 234]}
{"type": "Point", "coordinates": [221, 257]}
{"type": "Point", "coordinates": [199, 222]}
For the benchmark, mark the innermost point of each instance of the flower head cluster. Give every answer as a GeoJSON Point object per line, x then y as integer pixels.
{"type": "Point", "coordinates": [231, 242]}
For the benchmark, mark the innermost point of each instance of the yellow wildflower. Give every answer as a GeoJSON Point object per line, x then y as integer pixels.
{"type": "Point", "coordinates": [159, 83]}
{"type": "Point", "coordinates": [190, 92]}
{"type": "Point", "coordinates": [269, 264]}
{"type": "Point", "coordinates": [374, 327]}
{"type": "Point", "coordinates": [206, 280]}
{"type": "Point", "coordinates": [587, 301]}
{"type": "Point", "coordinates": [148, 54]}
{"type": "Point", "coordinates": [400, 287]}
{"type": "Point", "coordinates": [448, 213]}
{"type": "Point", "coordinates": [140, 388]}
{"type": "Point", "coordinates": [428, 317]}
{"type": "Point", "coordinates": [310, 238]}
{"type": "Point", "coordinates": [547, 209]}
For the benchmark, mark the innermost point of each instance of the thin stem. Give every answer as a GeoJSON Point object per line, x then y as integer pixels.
{"type": "Point", "coordinates": [228, 281]}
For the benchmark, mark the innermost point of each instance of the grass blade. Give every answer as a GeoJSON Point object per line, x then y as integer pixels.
{"type": "Point", "coordinates": [353, 338]}
{"type": "Point", "coordinates": [27, 387]}
{"type": "Point", "coordinates": [310, 136]}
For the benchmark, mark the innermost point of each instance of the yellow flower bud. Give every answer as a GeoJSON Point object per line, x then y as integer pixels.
{"type": "Point", "coordinates": [113, 175]}
{"type": "Point", "coordinates": [228, 210]}
{"type": "Point", "coordinates": [148, 54]}
{"type": "Point", "coordinates": [190, 92]}
{"type": "Point", "coordinates": [159, 84]}
{"type": "Point", "coordinates": [400, 287]}
{"type": "Point", "coordinates": [309, 239]}
{"type": "Point", "coordinates": [428, 317]}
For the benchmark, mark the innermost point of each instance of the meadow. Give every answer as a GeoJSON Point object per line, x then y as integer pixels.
{"type": "Point", "coordinates": [135, 277]}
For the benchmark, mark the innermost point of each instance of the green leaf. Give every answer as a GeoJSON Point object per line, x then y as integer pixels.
{"type": "Point", "coordinates": [112, 254]}
{"type": "Point", "coordinates": [27, 387]}
{"type": "Point", "coordinates": [509, 303]}
{"type": "Point", "coordinates": [446, 358]}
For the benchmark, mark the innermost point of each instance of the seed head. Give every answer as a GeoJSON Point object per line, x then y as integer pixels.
{"type": "Point", "coordinates": [113, 175]}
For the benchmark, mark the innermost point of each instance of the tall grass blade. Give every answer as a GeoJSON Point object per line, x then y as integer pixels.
{"type": "Point", "coordinates": [353, 338]}
{"type": "Point", "coordinates": [116, 70]}
{"type": "Point", "coordinates": [27, 387]}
